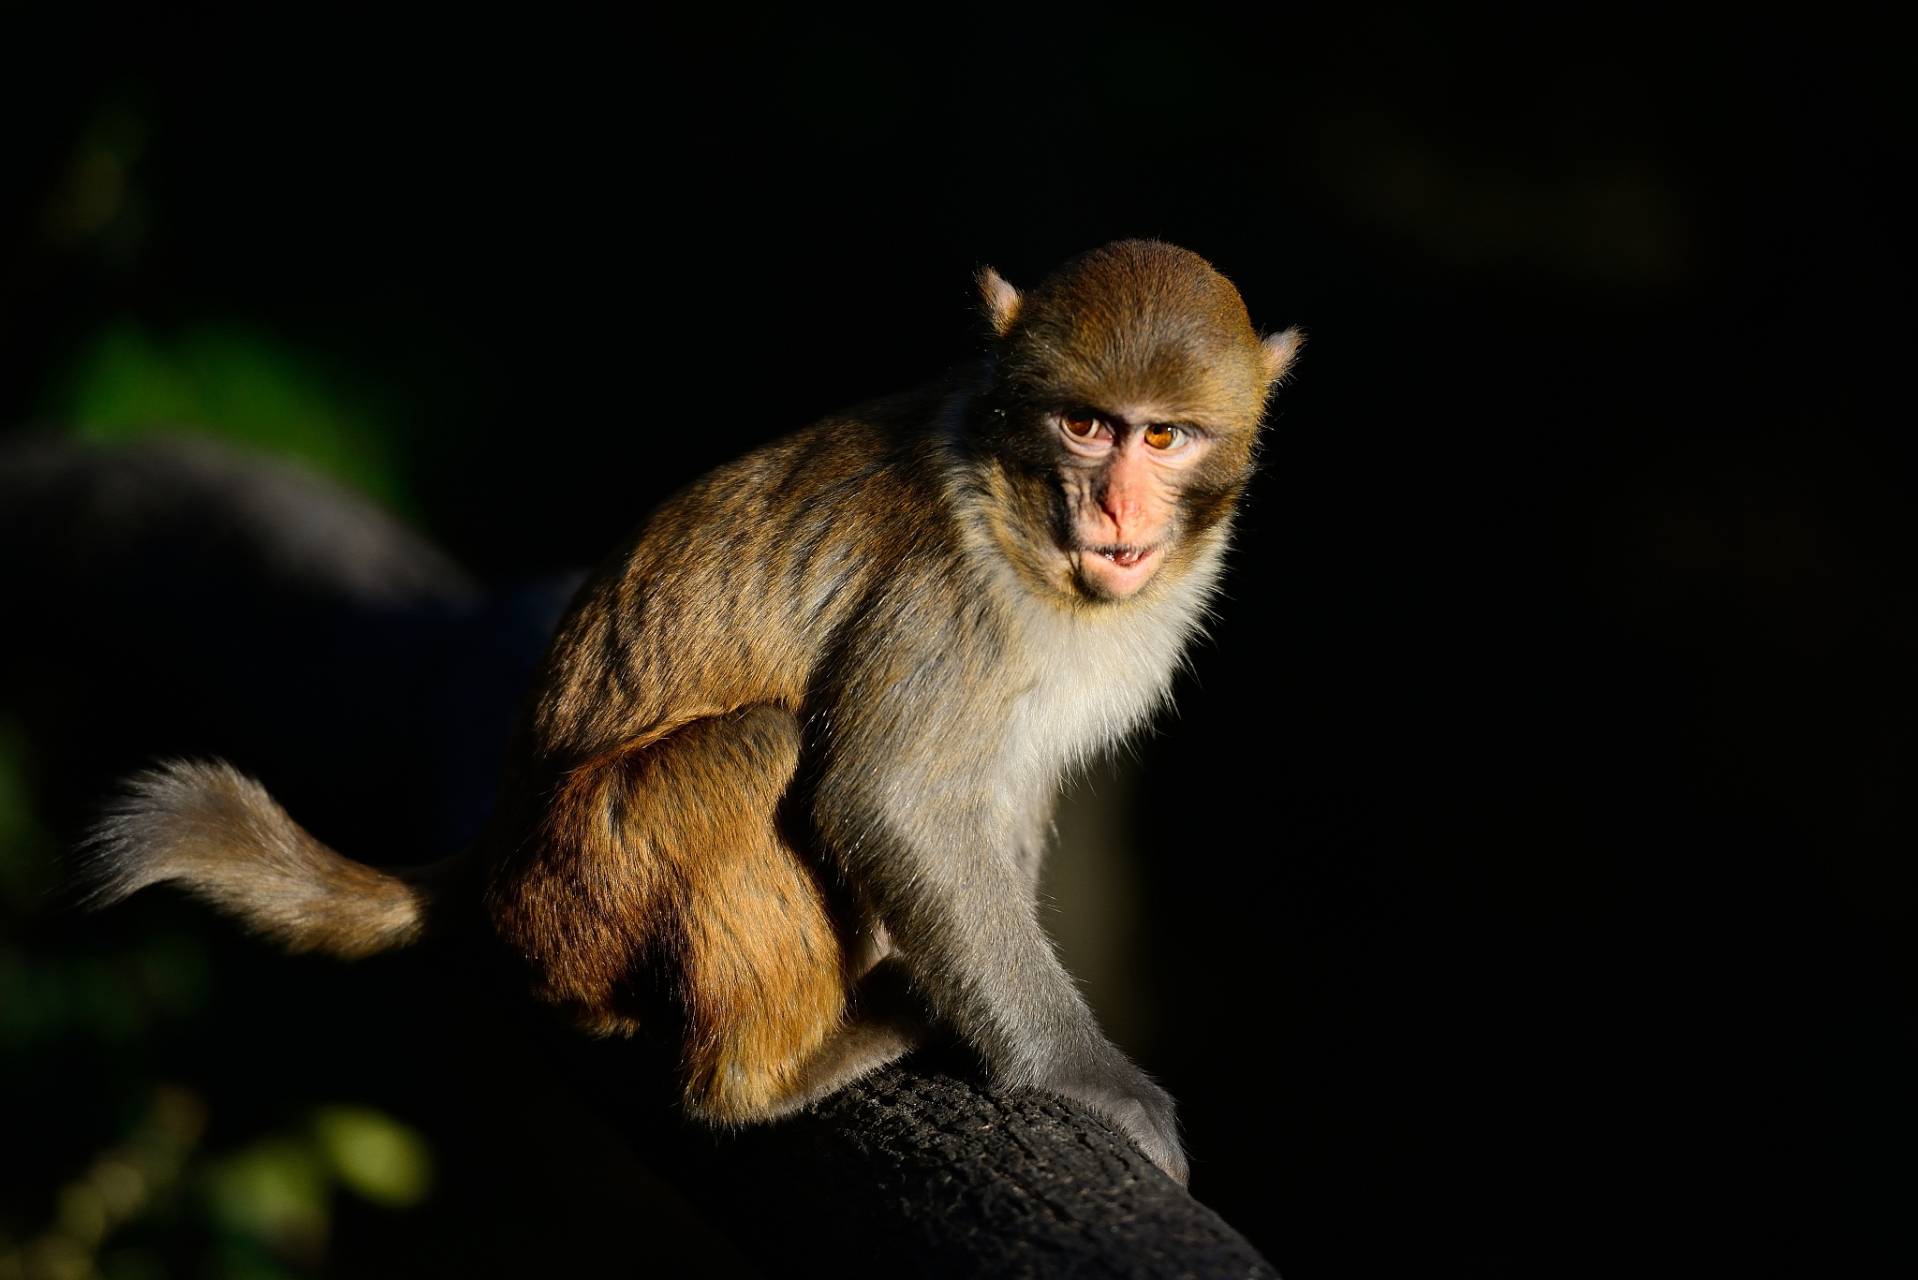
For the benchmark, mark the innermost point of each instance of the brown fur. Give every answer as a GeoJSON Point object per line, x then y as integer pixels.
{"type": "Point", "coordinates": [659, 860]}
{"type": "Point", "coordinates": [815, 712]}
{"type": "Point", "coordinates": [220, 836]}
{"type": "Point", "coordinates": [1135, 321]}
{"type": "Point", "coordinates": [665, 859]}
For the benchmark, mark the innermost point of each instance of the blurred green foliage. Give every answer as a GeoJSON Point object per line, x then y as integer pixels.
{"type": "Point", "coordinates": [239, 385]}
{"type": "Point", "coordinates": [276, 1191]}
{"type": "Point", "coordinates": [154, 1204]}
{"type": "Point", "coordinates": [374, 1155]}
{"type": "Point", "coordinates": [262, 1212]}
{"type": "Point", "coordinates": [113, 998]}
{"type": "Point", "coordinates": [47, 992]}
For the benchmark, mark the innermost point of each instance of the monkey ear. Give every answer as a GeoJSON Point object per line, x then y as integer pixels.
{"type": "Point", "coordinates": [1280, 350]}
{"type": "Point", "coordinates": [1002, 300]}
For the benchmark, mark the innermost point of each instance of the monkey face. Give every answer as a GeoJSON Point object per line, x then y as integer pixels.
{"type": "Point", "coordinates": [1121, 476]}
{"type": "Point", "coordinates": [1130, 391]}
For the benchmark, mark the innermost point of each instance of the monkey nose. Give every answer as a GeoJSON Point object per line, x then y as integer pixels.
{"type": "Point", "coordinates": [1127, 522]}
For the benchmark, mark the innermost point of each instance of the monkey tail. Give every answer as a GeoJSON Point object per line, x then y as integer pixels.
{"type": "Point", "coordinates": [220, 836]}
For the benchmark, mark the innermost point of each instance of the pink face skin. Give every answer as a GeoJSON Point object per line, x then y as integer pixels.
{"type": "Point", "coordinates": [1122, 489]}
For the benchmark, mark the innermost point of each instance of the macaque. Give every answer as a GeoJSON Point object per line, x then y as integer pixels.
{"type": "Point", "coordinates": [783, 784]}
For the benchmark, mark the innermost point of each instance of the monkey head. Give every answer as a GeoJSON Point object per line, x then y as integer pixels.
{"type": "Point", "coordinates": [1127, 395]}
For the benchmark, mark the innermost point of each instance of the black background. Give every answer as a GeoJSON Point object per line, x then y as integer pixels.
{"type": "Point", "coordinates": [1530, 856]}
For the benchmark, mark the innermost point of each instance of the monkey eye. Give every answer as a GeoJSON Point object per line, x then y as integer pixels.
{"type": "Point", "coordinates": [1081, 425]}
{"type": "Point", "coordinates": [1161, 435]}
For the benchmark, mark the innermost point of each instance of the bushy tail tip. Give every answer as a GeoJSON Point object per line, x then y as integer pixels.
{"type": "Point", "coordinates": [221, 837]}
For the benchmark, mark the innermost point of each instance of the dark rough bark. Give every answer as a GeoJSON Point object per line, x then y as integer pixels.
{"type": "Point", "coordinates": [178, 599]}
{"type": "Point", "coordinates": [916, 1171]}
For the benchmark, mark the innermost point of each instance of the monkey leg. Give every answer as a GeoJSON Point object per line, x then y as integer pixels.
{"type": "Point", "coordinates": [665, 861]}
{"type": "Point", "coordinates": [761, 978]}
{"type": "Point", "coordinates": [885, 1025]}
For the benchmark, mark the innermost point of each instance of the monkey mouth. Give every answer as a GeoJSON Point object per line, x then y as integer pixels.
{"type": "Point", "coordinates": [1126, 557]}
{"type": "Point", "coordinates": [1124, 571]}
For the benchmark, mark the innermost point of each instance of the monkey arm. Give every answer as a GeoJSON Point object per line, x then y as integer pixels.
{"type": "Point", "coordinates": [940, 859]}
{"type": "Point", "coordinates": [967, 930]}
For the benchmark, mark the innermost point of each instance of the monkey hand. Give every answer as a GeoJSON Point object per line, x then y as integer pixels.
{"type": "Point", "coordinates": [1116, 1090]}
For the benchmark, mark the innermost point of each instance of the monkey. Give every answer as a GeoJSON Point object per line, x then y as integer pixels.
{"type": "Point", "coordinates": [783, 782]}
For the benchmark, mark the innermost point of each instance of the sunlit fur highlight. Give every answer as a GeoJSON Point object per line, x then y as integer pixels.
{"type": "Point", "coordinates": [221, 837]}
{"type": "Point", "coordinates": [804, 731]}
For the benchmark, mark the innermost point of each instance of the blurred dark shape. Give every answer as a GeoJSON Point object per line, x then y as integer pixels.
{"type": "Point", "coordinates": [1603, 224]}
{"type": "Point", "coordinates": [93, 192]}
{"type": "Point", "coordinates": [189, 601]}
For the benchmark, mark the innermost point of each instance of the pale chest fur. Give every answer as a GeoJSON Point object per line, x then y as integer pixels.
{"type": "Point", "coordinates": [973, 775]}
{"type": "Point", "coordinates": [1094, 676]}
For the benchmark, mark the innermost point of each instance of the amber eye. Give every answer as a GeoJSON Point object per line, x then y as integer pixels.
{"type": "Point", "coordinates": [1082, 426]}
{"type": "Point", "coordinates": [1160, 436]}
